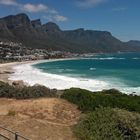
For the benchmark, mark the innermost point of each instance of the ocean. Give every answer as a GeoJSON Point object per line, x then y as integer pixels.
{"type": "Point", "coordinates": [120, 71]}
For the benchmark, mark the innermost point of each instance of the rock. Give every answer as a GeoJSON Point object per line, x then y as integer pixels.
{"type": "Point", "coordinates": [51, 27]}
{"type": "Point", "coordinates": [18, 83]}
{"type": "Point", "coordinates": [36, 23]}
{"type": "Point", "coordinates": [8, 72]}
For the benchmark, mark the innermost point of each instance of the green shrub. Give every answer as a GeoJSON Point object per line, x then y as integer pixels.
{"type": "Point", "coordinates": [88, 101]}
{"type": "Point", "coordinates": [107, 124]}
{"type": "Point", "coordinates": [11, 113]}
{"type": "Point", "coordinates": [82, 98]}
{"type": "Point", "coordinates": [25, 92]}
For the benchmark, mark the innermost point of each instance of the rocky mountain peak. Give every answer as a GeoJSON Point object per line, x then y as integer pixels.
{"type": "Point", "coordinates": [50, 26]}
{"type": "Point", "coordinates": [36, 23]}
{"type": "Point", "coordinates": [15, 21]}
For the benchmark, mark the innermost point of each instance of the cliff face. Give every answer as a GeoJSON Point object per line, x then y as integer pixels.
{"type": "Point", "coordinates": [36, 23]}
{"type": "Point", "coordinates": [50, 36]}
{"type": "Point", "coordinates": [16, 26]}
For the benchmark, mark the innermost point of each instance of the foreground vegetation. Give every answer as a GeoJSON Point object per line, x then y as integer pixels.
{"type": "Point", "coordinates": [25, 92]}
{"type": "Point", "coordinates": [89, 101]}
{"type": "Point", "coordinates": [108, 115]}
{"type": "Point", "coordinates": [109, 124]}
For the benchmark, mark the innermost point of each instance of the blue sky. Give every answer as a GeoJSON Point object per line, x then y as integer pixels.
{"type": "Point", "coordinates": [120, 17]}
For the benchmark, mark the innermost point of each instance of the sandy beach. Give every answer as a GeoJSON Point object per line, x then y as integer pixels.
{"type": "Point", "coordinates": [6, 69]}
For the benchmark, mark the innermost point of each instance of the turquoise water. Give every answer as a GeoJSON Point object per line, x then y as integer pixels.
{"type": "Point", "coordinates": [122, 70]}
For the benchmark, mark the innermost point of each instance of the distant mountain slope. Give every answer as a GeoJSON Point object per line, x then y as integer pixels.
{"type": "Point", "coordinates": [50, 36]}
{"type": "Point", "coordinates": [134, 43]}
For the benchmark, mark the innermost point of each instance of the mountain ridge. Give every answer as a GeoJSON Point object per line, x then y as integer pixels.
{"type": "Point", "coordinates": [134, 43]}
{"type": "Point", "coordinates": [32, 33]}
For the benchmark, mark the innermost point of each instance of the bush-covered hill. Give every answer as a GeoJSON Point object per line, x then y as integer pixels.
{"type": "Point", "coordinates": [88, 101]}
{"type": "Point", "coordinates": [109, 124]}
{"type": "Point", "coordinates": [107, 115]}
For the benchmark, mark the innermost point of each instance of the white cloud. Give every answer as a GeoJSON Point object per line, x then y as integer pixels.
{"type": "Point", "coordinates": [119, 9]}
{"type": "Point", "coordinates": [52, 14]}
{"type": "Point", "coordinates": [89, 3]}
{"type": "Point", "coordinates": [60, 18]}
{"type": "Point", "coordinates": [52, 11]}
{"type": "Point", "coordinates": [56, 18]}
{"type": "Point", "coordinates": [34, 8]}
{"type": "Point", "coordinates": [8, 2]}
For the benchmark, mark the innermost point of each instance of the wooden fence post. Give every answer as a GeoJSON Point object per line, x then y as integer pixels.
{"type": "Point", "coordinates": [16, 136]}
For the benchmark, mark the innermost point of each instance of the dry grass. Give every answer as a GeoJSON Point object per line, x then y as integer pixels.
{"type": "Point", "coordinates": [40, 119]}
{"type": "Point", "coordinates": [11, 113]}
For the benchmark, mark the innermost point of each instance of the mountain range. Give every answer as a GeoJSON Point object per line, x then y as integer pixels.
{"type": "Point", "coordinates": [34, 34]}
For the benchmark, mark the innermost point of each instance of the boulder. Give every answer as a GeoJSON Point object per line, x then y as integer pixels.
{"type": "Point", "coordinates": [18, 83]}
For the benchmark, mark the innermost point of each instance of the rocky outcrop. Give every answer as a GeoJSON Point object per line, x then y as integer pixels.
{"type": "Point", "coordinates": [36, 23]}
{"type": "Point", "coordinates": [51, 27]}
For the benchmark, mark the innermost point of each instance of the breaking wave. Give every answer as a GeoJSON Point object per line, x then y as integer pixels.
{"type": "Point", "coordinates": [32, 76]}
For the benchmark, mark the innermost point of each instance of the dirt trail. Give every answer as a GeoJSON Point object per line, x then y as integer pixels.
{"type": "Point", "coordinates": [39, 119]}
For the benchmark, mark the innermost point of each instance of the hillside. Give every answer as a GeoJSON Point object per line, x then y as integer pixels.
{"type": "Point", "coordinates": [134, 43]}
{"type": "Point", "coordinates": [35, 34]}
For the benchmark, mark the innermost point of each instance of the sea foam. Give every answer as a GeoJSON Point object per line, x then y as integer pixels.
{"type": "Point", "coordinates": [106, 58]}
{"type": "Point", "coordinates": [32, 76]}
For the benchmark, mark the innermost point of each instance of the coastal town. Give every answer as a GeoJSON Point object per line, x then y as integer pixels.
{"type": "Point", "coordinates": [13, 51]}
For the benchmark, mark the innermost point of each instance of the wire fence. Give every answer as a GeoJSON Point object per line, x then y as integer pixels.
{"type": "Point", "coordinates": [7, 134]}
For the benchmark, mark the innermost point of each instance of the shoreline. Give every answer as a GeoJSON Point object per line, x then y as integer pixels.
{"type": "Point", "coordinates": [23, 71]}
{"type": "Point", "coordinates": [6, 69]}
